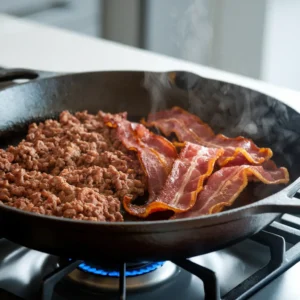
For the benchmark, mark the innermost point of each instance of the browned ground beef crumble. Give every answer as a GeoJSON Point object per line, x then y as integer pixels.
{"type": "Point", "coordinates": [74, 168]}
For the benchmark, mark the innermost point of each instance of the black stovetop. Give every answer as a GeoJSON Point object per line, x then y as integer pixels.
{"type": "Point", "coordinates": [247, 269]}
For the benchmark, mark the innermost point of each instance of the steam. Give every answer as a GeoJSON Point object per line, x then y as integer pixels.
{"type": "Point", "coordinates": [194, 32]}
{"type": "Point", "coordinates": [157, 84]}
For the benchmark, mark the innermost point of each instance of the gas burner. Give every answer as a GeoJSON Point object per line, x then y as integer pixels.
{"type": "Point", "coordinates": [131, 269]}
{"type": "Point", "coordinates": [138, 276]}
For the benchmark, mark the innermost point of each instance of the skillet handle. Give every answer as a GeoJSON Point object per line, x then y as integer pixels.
{"type": "Point", "coordinates": [286, 201]}
{"type": "Point", "coordinates": [10, 77]}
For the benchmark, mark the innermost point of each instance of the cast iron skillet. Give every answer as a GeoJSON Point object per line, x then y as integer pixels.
{"type": "Point", "coordinates": [228, 108]}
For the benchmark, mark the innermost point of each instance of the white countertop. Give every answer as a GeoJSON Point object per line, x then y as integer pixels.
{"type": "Point", "coordinates": [26, 44]}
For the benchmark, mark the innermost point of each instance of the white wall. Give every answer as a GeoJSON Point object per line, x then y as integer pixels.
{"type": "Point", "coordinates": [281, 51]}
{"type": "Point", "coordinates": [238, 36]}
{"type": "Point", "coordinates": [121, 21]}
{"type": "Point", "coordinates": [224, 34]}
{"type": "Point", "coordinates": [180, 28]}
{"type": "Point", "coordinates": [256, 38]}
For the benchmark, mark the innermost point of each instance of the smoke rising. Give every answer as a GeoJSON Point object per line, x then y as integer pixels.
{"type": "Point", "coordinates": [156, 84]}
{"type": "Point", "coordinates": [194, 32]}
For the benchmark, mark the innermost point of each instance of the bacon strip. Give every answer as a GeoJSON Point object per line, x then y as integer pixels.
{"type": "Point", "coordinates": [225, 185]}
{"type": "Point", "coordinates": [165, 149]}
{"type": "Point", "coordinates": [194, 164]}
{"type": "Point", "coordinates": [156, 154]}
{"type": "Point", "coordinates": [192, 123]}
{"type": "Point", "coordinates": [188, 127]}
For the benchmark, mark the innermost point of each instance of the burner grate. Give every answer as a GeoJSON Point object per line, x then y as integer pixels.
{"type": "Point", "coordinates": [53, 278]}
{"type": "Point", "coordinates": [274, 237]}
{"type": "Point", "coordinates": [282, 238]}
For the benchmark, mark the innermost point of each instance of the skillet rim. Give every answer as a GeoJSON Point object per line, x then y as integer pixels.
{"type": "Point", "coordinates": [46, 75]}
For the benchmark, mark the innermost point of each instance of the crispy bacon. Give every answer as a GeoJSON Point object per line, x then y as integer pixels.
{"type": "Point", "coordinates": [176, 183]}
{"type": "Point", "coordinates": [172, 125]}
{"type": "Point", "coordinates": [225, 185]}
{"type": "Point", "coordinates": [194, 164]}
{"type": "Point", "coordinates": [156, 154]}
{"type": "Point", "coordinates": [188, 127]}
{"type": "Point", "coordinates": [192, 123]}
{"type": "Point", "coordinates": [165, 149]}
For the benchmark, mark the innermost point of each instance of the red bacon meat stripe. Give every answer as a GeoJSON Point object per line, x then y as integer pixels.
{"type": "Point", "coordinates": [225, 185]}
{"type": "Point", "coordinates": [156, 154]}
{"type": "Point", "coordinates": [194, 164]}
{"type": "Point", "coordinates": [164, 148]}
{"type": "Point", "coordinates": [188, 127]}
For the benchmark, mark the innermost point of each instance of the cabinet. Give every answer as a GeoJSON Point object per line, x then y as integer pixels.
{"type": "Point", "coordinates": [77, 15]}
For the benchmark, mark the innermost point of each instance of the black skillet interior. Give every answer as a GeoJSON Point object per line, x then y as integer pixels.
{"type": "Point", "coordinates": [229, 109]}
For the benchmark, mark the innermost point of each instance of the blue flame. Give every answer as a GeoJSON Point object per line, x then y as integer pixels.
{"type": "Point", "coordinates": [130, 273]}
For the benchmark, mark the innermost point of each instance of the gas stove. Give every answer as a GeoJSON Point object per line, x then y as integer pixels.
{"type": "Point", "coordinates": [265, 266]}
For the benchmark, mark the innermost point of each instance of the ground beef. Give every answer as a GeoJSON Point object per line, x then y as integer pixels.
{"type": "Point", "coordinates": [108, 181]}
{"type": "Point", "coordinates": [6, 159]}
{"type": "Point", "coordinates": [74, 167]}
